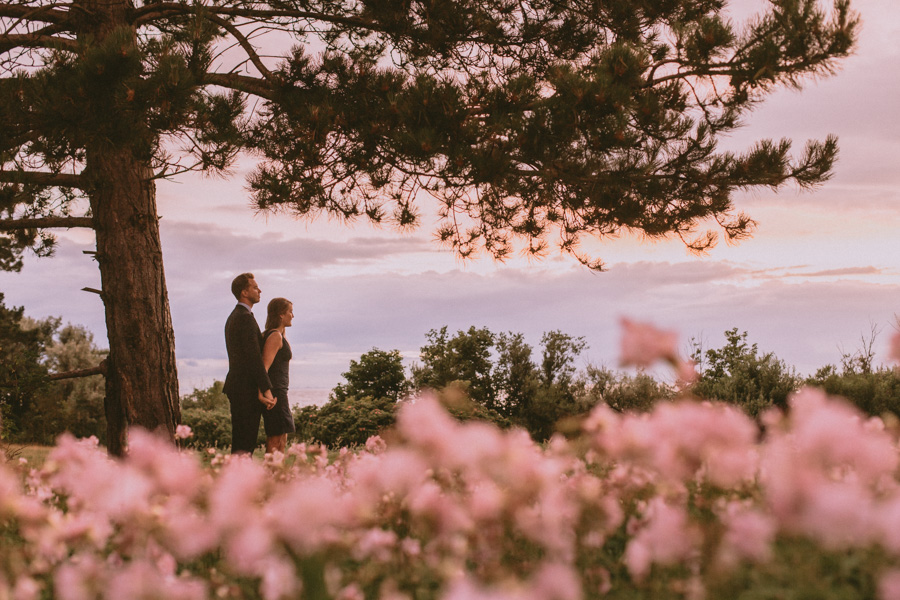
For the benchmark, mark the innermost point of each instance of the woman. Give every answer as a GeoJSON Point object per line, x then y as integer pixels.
{"type": "Point", "coordinates": [276, 357]}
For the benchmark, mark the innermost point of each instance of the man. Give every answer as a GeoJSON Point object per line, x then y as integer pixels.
{"type": "Point", "coordinates": [247, 384]}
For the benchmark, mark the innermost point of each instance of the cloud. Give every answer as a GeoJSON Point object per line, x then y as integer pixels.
{"type": "Point", "coordinates": [189, 246]}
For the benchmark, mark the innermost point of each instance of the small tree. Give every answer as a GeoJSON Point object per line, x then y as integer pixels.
{"type": "Point", "coordinates": [466, 357]}
{"type": "Point", "coordinates": [516, 377]}
{"type": "Point", "coordinates": [737, 373]}
{"type": "Point", "coordinates": [377, 374]}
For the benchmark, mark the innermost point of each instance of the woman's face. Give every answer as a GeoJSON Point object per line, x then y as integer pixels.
{"type": "Point", "coordinates": [288, 316]}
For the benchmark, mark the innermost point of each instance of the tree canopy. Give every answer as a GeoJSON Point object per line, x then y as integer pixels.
{"type": "Point", "coordinates": [530, 122]}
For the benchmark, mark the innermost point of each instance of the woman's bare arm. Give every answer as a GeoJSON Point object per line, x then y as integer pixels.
{"type": "Point", "coordinates": [271, 348]}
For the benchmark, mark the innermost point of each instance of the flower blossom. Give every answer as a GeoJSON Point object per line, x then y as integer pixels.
{"type": "Point", "coordinates": [643, 344]}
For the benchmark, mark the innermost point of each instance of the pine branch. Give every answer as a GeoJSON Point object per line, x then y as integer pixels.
{"type": "Point", "coordinates": [43, 178]}
{"type": "Point", "coordinates": [45, 223]}
{"type": "Point", "coordinates": [241, 83]}
{"type": "Point", "coordinates": [98, 370]}
{"type": "Point", "coordinates": [34, 40]}
{"type": "Point", "coordinates": [44, 14]}
{"type": "Point", "coordinates": [245, 44]}
{"type": "Point", "coordinates": [162, 10]}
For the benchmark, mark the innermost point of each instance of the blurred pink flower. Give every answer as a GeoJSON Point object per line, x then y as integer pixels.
{"type": "Point", "coordinates": [895, 347]}
{"type": "Point", "coordinates": [183, 432]}
{"type": "Point", "coordinates": [185, 530]}
{"type": "Point", "coordinates": [643, 344]}
{"type": "Point", "coordinates": [78, 579]}
{"type": "Point", "coordinates": [350, 592]}
{"type": "Point", "coordinates": [677, 439]}
{"type": "Point", "coordinates": [26, 588]}
{"type": "Point", "coordinates": [237, 493]}
{"type": "Point", "coordinates": [665, 538]}
{"type": "Point", "coordinates": [279, 580]}
{"type": "Point", "coordinates": [555, 581]}
{"type": "Point", "coordinates": [248, 549]}
{"type": "Point", "coordinates": [375, 543]}
{"type": "Point", "coordinates": [748, 534]}
{"type": "Point", "coordinates": [376, 445]}
{"type": "Point", "coordinates": [839, 514]}
{"type": "Point", "coordinates": [307, 513]}
{"type": "Point", "coordinates": [829, 432]}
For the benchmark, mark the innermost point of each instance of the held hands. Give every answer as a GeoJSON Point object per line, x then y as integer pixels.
{"type": "Point", "coordinates": [267, 399]}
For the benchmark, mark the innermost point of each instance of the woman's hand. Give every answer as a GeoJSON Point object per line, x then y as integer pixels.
{"type": "Point", "coordinates": [267, 399]}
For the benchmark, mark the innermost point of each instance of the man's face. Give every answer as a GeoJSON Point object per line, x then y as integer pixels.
{"type": "Point", "coordinates": [252, 293]}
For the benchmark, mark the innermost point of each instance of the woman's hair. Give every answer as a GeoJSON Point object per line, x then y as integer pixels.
{"type": "Point", "coordinates": [276, 308]}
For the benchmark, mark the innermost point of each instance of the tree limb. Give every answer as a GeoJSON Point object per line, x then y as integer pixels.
{"type": "Point", "coordinates": [241, 83]}
{"type": "Point", "coordinates": [43, 178]}
{"type": "Point", "coordinates": [43, 14]}
{"type": "Point", "coordinates": [160, 10]}
{"type": "Point", "coordinates": [98, 370]}
{"type": "Point", "coordinates": [245, 44]}
{"type": "Point", "coordinates": [45, 222]}
{"type": "Point", "coordinates": [33, 40]}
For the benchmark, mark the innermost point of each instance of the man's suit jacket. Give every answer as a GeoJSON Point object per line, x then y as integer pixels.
{"type": "Point", "coordinates": [246, 372]}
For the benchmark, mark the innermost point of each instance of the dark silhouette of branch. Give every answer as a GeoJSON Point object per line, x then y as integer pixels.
{"type": "Point", "coordinates": [241, 83]}
{"type": "Point", "coordinates": [44, 14]}
{"type": "Point", "coordinates": [162, 10]}
{"type": "Point", "coordinates": [45, 223]}
{"type": "Point", "coordinates": [43, 178]}
{"type": "Point", "coordinates": [245, 44]}
{"type": "Point", "coordinates": [34, 40]}
{"type": "Point", "coordinates": [98, 370]}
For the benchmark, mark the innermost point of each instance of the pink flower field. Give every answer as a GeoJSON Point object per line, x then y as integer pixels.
{"type": "Point", "coordinates": [692, 500]}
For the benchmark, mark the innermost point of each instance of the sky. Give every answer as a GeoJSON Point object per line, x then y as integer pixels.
{"type": "Point", "coordinates": [819, 275]}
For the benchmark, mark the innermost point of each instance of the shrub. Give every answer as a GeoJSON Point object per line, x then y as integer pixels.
{"type": "Point", "coordinates": [621, 391]}
{"type": "Point", "coordinates": [208, 414]}
{"type": "Point", "coordinates": [738, 374]}
{"type": "Point", "coordinates": [350, 422]}
{"type": "Point", "coordinates": [876, 393]}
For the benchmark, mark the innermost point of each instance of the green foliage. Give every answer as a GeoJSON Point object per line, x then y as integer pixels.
{"type": "Point", "coordinates": [359, 408]}
{"type": "Point", "coordinates": [465, 357]}
{"type": "Point", "coordinates": [875, 392]}
{"type": "Point", "coordinates": [37, 410]}
{"type": "Point", "coordinates": [348, 422]}
{"type": "Point", "coordinates": [23, 375]}
{"type": "Point", "coordinates": [208, 414]}
{"type": "Point", "coordinates": [738, 374]}
{"type": "Point", "coordinates": [516, 378]}
{"type": "Point", "coordinates": [81, 399]}
{"type": "Point", "coordinates": [378, 374]}
{"type": "Point", "coordinates": [497, 373]}
{"type": "Point", "coordinates": [621, 391]}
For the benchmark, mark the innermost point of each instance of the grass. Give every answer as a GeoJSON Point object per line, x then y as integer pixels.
{"type": "Point", "coordinates": [34, 454]}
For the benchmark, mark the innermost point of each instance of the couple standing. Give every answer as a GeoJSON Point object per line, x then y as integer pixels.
{"type": "Point", "coordinates": [257, 380]}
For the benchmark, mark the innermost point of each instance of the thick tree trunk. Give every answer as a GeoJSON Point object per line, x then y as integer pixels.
{"type": "Point", "coordinates": [141, 378]}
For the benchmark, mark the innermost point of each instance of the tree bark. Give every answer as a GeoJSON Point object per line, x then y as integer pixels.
{"type": "Point", "coordinates": [141, 378]}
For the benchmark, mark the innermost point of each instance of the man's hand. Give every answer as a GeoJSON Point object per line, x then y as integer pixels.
{"type": "Point", "coordinates": [267, 399]}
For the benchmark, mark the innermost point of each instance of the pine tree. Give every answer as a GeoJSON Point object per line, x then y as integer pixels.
{"type": "Point", "coordinates": [526, 120]}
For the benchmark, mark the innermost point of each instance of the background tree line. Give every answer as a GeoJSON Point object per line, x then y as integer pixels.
{"type": "Point", "coordinates": [500, 378]}
{"type": "Point", "coordinates": [480, 374]}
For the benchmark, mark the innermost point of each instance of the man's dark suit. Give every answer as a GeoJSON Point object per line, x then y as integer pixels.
{"type": "Point", "coordinates": [246, 378]}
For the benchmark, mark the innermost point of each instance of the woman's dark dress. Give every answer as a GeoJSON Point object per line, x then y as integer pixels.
{"type": "Point", "coordinates": [279, 420]}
